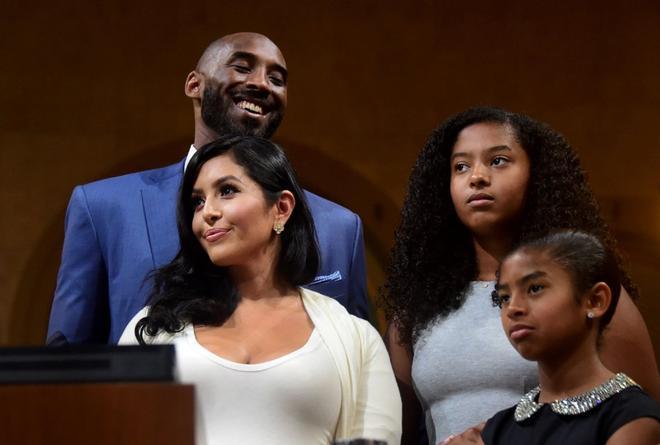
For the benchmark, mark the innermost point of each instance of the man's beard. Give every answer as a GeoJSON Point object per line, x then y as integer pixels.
{"type": "Point", "coordinates": [215, 114]}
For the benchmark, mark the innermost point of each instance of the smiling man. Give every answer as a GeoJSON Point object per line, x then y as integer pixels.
{"type": "Point", "coordinates": [239, 86]}
{"type": "Point", "coordinates": [117, 230]}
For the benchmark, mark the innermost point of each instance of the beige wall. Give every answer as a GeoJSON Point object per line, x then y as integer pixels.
{"type": "Point", "coordinates": [94, 90]}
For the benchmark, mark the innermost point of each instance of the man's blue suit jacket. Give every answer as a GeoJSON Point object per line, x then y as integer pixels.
{"type": "Point", "coordinates": [117, 230]}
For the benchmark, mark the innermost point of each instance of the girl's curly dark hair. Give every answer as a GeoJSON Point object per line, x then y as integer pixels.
{"type": "Point", "coordinates": [433, 258]}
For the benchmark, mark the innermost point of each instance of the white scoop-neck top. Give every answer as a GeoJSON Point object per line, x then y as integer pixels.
{"type": "Point", "coordinates": [274, 402]}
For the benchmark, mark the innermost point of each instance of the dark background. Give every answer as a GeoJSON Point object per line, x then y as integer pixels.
{"type": "Point", "coordinates": [91, 90]}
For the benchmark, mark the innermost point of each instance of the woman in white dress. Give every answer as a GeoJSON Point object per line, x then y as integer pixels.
{"type": "Point", "coordinates": [272, 362]}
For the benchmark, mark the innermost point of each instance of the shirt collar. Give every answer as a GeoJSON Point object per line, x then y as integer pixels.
{"type": "Point", "coordinates": [189, 156]}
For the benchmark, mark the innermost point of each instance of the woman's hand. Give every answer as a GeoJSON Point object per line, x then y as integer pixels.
{"type": "Point", "coordinates": [468, 437]}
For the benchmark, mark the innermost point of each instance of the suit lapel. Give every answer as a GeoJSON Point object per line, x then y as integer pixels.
{"type": "Point", "coordinates": [159, 203]}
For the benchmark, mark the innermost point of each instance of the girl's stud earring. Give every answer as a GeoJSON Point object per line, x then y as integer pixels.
{"type": "Point", "coordinates": [278, 227]}
{"type": "Point", "coordinates": [590, 315]}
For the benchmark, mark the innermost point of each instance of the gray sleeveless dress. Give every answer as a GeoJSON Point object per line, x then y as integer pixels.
{"type": "Point", "coordinates": [464, 368]}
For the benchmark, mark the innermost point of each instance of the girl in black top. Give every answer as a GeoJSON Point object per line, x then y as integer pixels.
{"type": "Point", "coordinates": [557, 294]}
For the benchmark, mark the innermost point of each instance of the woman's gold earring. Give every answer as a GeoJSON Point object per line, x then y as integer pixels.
{"type": "Point", "coordinates": [278, 227]}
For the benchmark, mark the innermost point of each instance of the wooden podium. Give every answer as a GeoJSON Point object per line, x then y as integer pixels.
{"type": "Point", "coordinates": [98, 414]}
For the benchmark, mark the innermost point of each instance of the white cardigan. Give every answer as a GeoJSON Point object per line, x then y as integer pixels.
{"type": "Point", "coordinates": [370, 401]}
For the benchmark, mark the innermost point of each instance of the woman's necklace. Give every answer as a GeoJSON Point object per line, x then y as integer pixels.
{"type": "Point", "coordinates": [579, 404]}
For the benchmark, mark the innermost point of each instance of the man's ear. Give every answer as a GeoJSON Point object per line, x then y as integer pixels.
{"type": "Point", "coordinates": [284, 206]}
{"type": "Point", "coordinates": [194, 85]}
{"type": "Point", "coordinates": [598, 299]}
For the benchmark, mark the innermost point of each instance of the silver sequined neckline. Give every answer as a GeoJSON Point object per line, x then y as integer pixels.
{"type": "Point", "coordinates": [579, 404]}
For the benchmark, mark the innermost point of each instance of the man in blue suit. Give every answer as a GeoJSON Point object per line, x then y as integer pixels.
{"type": "Point", "coordinates": [119, 229]}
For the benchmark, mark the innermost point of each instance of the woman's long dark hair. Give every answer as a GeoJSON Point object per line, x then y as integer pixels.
{"type": "Point", "coordinates": [191, 289]}
{"type": "Point", "coordinates": [433, 258]}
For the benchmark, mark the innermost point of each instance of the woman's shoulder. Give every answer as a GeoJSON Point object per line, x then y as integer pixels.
{"type": "Point", "coordinates": [321, 306]}
{"type": "Point", "coordinates": [322, 301]}
{"type": "Point", "coordinates": [325, 303]}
